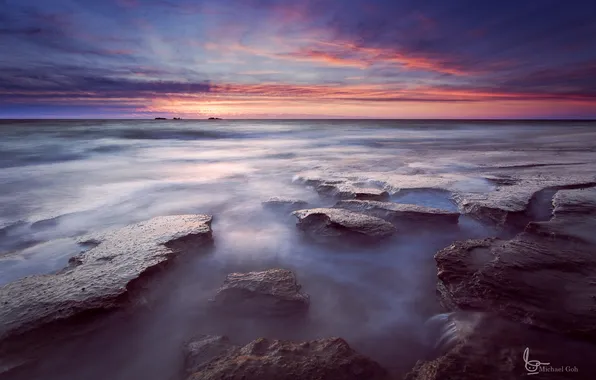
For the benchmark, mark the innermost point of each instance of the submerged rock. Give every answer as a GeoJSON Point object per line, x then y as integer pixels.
{"type": "Point", "coordinates": [274, 292]}
{"type": "Point", "coordinates": [544, 277]}
{"type": "Point", "coordinates": [103, 278]}
{"type": "Point", "coordinates": [472, 347]}
{"type": "Point", "coordinates": [486, 347]}
{"type": "Point", "coordinates": [284, 204]}
{"type": "Point", "coordinates": [336, 223]}
{"type": "Point", "coordinates": [264, 359]}
{"type": "Point", "coordinates": [401, 214]}
{"type": "Point", "coordinates": [202, 349]}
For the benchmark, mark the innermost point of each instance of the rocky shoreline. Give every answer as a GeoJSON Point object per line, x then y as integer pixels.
{"type": "Point", "coordinates": [543, 277]}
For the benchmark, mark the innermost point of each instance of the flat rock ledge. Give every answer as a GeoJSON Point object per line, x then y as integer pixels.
{"type": "Point", "coordinates": [274, 293]}
{"type": "Point", "coordinates": [323, 224]}
{"type": "Point", "coordinates": [515, 205]}
{"type": "Point", "coordinates": [346, 191]}
{"type": "Point", "coordinates": [402, 214]}
{"type": "Point", "coordinates": [214, 358]}
{"type": "Point", "coordinates": [103, 278]}
{"type": "Point", "coordinates": [284, 204]}
{"type": "Point", "coordinates": [544, 277]}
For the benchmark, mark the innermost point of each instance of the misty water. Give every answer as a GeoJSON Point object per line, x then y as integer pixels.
{"type": "Point", "coordinates": [62, 180]}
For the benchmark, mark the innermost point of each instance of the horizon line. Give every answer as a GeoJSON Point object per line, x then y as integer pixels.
{"type": "Point", "coordinates": [290, 119]}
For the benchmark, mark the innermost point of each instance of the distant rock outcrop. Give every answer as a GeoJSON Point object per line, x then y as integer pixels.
{"type": "Point", "coordinates": [214, 118]}
{"type": "Point", "coordinates": [402, 214]}
{"type": "Point", "coordinates": [214, 358]}
{"type": "Point", "coordinates": [343, 225]}
{"type": "Point", "coordinates": [344, 189]}
{"type": "Point", "coordinates": [103, 278]}
{"type": "Point", "coordinates": [274, 292]}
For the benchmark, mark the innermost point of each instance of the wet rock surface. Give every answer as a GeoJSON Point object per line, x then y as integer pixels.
{"type": "Point", "coordinates": [544, 277]}
{"type": "Point", "coordinates": [512, 206]}
{"type": "Point", "coordinates": [324, 224]}
{"type": "Point", "coordinates": [284, 204]}
{"type": "Point", "coordinates": [346, 191]}
{"type": "Point", "coordinates": [105, 277]}
{"type": "Point", "coordinates": [401, 214]}
{"type": "Point", "coordinates": [264, 359]}
{"type": "Point", "coordinates": [344, 188]}
{"type": "Point", "coordinates": [274, 292]}
{"type": "Point", "coordinates": [498, 187]}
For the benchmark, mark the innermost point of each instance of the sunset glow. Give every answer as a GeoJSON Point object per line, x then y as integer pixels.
{"type": "Point", "coordinates": [280, 59]}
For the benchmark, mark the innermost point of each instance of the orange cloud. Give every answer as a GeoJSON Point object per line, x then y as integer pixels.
{"type": "Point", "coordinates": [339, 54]}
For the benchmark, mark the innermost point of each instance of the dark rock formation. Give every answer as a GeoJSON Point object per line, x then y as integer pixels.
{"type": "Point", "coordinates": [214, 118]}
{"type": "Point", "coordinates": [325, 223]}
{"type": "Point", "coordinates": [402, 214]}
{"type": "Point", "coordinates": [264, 359]}
{"type": "Point", "coordinates": [160, 118]}
{"type": "Point", "coordinates": [274, 292]}
{"type": "Point", "coordinates": [284, 204]}
{"type": "Point", "coordinates": [544, 277]}
{"type": "Point", "coordinates": [103, 278]}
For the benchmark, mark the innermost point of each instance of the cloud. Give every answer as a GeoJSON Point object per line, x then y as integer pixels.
{"type": "Point", "coordinates": [139, 52]}
{"type": "Point", "coordinates": [45, 83]}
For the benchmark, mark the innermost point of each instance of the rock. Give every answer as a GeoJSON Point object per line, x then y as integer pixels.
{"type": "Point", "coordinates": [315, 181]}
{"type": "Point", "coordinates": [402, 214]}
{"type": "Point", "coordinates": [343, 188]}
{"type": "Point", "coordinates": [103, 278]}
{"type": "Point", "coordinates": [284, 204]}
{"type": "Point", "coordinates": [347, 191]}
{"type": "Point", "coordinates": [544, 277]}
{"type": "Point", "coordinates": [264, 359]}
{"type": "Point", "coordinates": [325, 223]}
{"type": "Point", "coordinates": [274, 292]}
{"type": "Point", "coordinates": [515, 204]}
{"type": "Point", "coordinates": [573, 219]}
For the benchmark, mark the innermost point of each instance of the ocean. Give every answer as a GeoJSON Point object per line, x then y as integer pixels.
{"type": "Point", "coordinates": [63, 179]}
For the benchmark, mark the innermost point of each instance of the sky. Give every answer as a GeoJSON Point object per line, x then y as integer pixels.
{"type": "Point", "coordinates": [298, 59]}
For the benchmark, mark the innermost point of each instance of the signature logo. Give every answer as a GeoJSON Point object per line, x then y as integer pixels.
{"type": "Point", "coordinates": [532, 366]}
